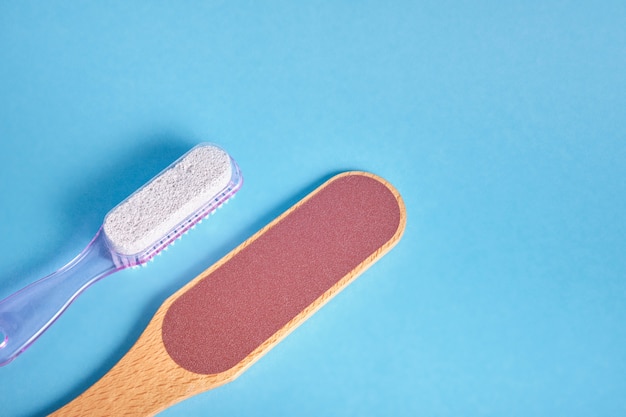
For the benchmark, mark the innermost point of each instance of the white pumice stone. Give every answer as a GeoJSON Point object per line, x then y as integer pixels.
{"type": "Point", "coordinates": [153, 211]}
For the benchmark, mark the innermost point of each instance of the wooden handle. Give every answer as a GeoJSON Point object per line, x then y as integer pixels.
{"type": "Point", "coordinates": [144, 382]}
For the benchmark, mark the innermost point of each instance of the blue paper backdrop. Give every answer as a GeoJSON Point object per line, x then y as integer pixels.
{"type": "Point", "coordinates": [502, 124]}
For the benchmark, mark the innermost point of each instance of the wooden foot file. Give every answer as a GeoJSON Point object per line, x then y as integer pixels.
{"type": "Point", "coordinates": [211, 330]}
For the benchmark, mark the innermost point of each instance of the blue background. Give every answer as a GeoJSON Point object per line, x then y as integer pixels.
{"type": "Point", "coordinates": [503, 127]}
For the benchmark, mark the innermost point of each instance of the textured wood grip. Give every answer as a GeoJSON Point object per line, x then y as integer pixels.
{"type": "Point", "coordinates": [144, 382]}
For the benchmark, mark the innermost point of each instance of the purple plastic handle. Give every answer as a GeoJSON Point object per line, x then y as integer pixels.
{"type": "Point", "coordinates": [25, 315]}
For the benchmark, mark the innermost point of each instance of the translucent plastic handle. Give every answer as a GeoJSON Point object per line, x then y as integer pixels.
{"type": "Point", "coordinates": [28, 313]}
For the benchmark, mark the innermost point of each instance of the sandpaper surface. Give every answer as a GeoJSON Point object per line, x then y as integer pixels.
{"type": "Point", "coordinates": [238, 306]}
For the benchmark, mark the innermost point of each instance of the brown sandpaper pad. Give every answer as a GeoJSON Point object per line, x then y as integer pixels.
{"type": "Point", "coordinates": [216, 326]}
